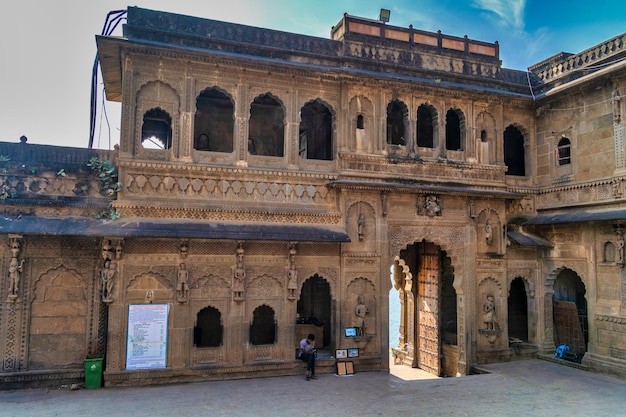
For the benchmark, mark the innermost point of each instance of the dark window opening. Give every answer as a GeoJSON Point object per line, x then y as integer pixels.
{"type": "Point", "coordinates": [208, 331]}
{"type": "Point", "coordinates": [263, 327]}
{"type": "Point", "coordinates": [564, 152]}
{"type": "Point", "coordinates": [425, 130]}
{"type": "Point", "coordinates": [360, 122]}
{"type": "Point", "coordinates": [213, 122]}
{"type": "Point", "coordinates": [266, 128]}
{"type": "Point", "coordinates": [156, 131]}
{"type": "Point", "coordinates": [396, 116]}
{"type": "Point", "coordinates": [518, 310]}
{"type": "Point", "coordinates": [453, 131]}
{"type": "Point", "coordinates": [316, 128]}
{"type": "Point", "coordinates": [514, 157]}
{"type": "Point", "coordinates": [483, 135]}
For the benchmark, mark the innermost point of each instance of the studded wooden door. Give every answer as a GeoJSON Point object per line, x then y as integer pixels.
{"type": "Point", "coordinates": [428, 309]}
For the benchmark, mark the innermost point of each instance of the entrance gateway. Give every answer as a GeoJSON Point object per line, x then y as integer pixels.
{"type": "Point", "coordinates": [423, 276]}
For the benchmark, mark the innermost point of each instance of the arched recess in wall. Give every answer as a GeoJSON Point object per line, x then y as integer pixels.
{"type": "Point", "coordinates": [314, 307]}
{"type": "Point", "coordinates": [361, 292]}
{"type": "Point", "coordinates": [266, 130]}
{"type": "Point", "coordinates": [569, 304]}
{"type": "Point", "coordinates": [361, 111]}
{"type": "Point", "coordinates": [316, 131]}
{"type": "Point", "coordinates": [490, 232]}
{"type": "Point", "coordinates": [263, 328]}
{"type": "Point", "coordinates": [517, 304]}
{"type": "Point", "coordinates": [427, 122]}
{"type": "Point", "coordinates": [361, 226]}
{"type": "Point", "coordinates": [55, 293]}
{"type": "Point", "coordinates": [208, 330]}
{"type": "Point", "coordinates": [455, 130]}
{"type": "Point", "coordinates": [428, 322]}
{"type": "Point", "coordinates": [214, 121]}
{"type": "Point", "coordinates": [486, 129]}
{"type": "Point", "coordinates": [156, 129]}
{"type": "Point", "coordinates": [397, 120]}
{"type": "Point", "coordinates": [157, 112]}
{"type": "Point", "coordinates": [149, 287]}
{"type": "Point", "coordinates": [514, 151]}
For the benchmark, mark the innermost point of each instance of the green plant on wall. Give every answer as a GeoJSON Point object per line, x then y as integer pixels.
{"type": "Point", "coordinates": [109, 185]}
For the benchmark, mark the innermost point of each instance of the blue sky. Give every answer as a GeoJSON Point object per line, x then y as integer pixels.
{"type": "Point", "coordinates": [47, 47]}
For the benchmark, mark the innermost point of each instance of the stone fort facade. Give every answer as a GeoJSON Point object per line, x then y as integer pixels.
{"type": "Point", "coordinates": [269, 185]}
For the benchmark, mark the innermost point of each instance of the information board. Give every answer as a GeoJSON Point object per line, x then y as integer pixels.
{"type": "Point", "coordinates": [146, 345]}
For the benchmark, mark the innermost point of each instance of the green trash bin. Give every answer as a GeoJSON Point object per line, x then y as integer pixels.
{"type": "Point", "coordinates": [93, 371]}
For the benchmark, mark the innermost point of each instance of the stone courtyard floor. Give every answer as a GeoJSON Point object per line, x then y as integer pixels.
{"type": "Point", "coordinates": [519, 388]}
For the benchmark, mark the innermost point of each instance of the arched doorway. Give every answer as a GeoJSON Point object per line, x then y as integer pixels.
{"type": "Point", "coordinates": [570, 312]}
{"type": "Point", "coordinates": [314, 311]}
{"type": "Point", "coordinates": [424, 275]}
{"type": "Point", "coordinates": [518, 310]}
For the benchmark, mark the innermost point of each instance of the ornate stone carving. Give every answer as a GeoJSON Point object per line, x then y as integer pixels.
{"type": "Point", "coordinates": [16, 267]}
{"type": "Point", "coordinates": [239, 275]}
{"type": "Point", "coordinates": [182, 283]}
{"type": "Point", "coordinates": [107, 275]}
{"type": "Point", "coordinates": [292, 275]}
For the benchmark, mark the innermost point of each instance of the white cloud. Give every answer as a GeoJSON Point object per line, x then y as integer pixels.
{"type": "Point", "coordinates": [510, 12]}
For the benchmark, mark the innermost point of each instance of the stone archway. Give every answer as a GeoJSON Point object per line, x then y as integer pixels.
{"type": "Point", "coordinates": [570, 311]}
{"type": "Point", "coordinates": [454, 356]}
{"type": "Point", "coordinates": [428, 325]}
{"type": "Point", "coordinates": [315, 311]}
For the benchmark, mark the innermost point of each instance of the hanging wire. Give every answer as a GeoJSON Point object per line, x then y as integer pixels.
{"type": "Point", "coordinates": [112, 21]}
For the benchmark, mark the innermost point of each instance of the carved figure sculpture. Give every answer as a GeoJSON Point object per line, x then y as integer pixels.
{"type": "Point", "coordinates": [361, 224]}
{"type": "Point", "coordinates": [360, 311]}
{"type": "Point", "coordinates": [108, 280]}
{"type": "Point", "coordinates": [292, 275]}
{"type": "Point", "coordinates": [107, 249]}
{"type": "Point", "coordinates": [489, 313]}
{"type": "Point", "coordinates": [488, 233]}
{"type": "Point", "coordinates": [431, 205]}
{"type": "Point", "coordinates": [15, 269]}
{"type": "Point", "coordinates": [239, 277]}
{"type": "Point", "coordinates": [182, 285]}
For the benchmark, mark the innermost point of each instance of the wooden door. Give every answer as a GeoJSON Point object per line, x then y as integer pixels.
{"type": "Point", "coordinates": [428, 309]}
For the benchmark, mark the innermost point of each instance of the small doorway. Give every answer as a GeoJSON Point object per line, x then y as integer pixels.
{"type": "Point", "coordinates": [570, 312]}
{"type": "Point", "coordinates": [314, 311]}
{"type": "Point", "coordinates": [518, 310]}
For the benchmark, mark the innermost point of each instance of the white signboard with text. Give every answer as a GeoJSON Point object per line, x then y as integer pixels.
{"type": "Point", "coordinates": [146, 345]}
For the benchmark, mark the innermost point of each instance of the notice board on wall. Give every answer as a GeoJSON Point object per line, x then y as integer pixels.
{"type": "Point", "coordinates": [146, 342]}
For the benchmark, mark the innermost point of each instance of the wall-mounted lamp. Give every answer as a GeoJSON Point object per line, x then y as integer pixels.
{"type": "Point", "coordinates": [384, 15]}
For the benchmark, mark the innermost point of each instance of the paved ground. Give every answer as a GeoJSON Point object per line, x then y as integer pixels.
{"type": "Point", "coordinates": [521, 388]}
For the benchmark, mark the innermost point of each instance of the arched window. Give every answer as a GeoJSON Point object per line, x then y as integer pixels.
{"type": "Point", "coordinates": [156, 130]}
{"type": "Point", "coordinates": [514, 157]}
{"type": "Point", "coordinates": [208, 331]}
{"type": "Point", "coordinates": [609, 252]}
{"type": "Point", "coordinates": [359, 122]}
{"type": "Point", "coordinates": [266, 133]}
{"type": "Point", "coordinates": [483, 136]}
{"type": "Point", "coordinates": [213, 122]}
{"type": "Point", "coordinates": [396, 116]}
{"type": "Point", "coordinates": [564, 152]}
{"type": "Point", "coordinates": [425, 130]}
{"type": "Point", "coordinates": [454, 128]}
{"type": "Point", "coordinates": [316, 131]}
{"type": "Point", "coordinates": [263, 327]}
